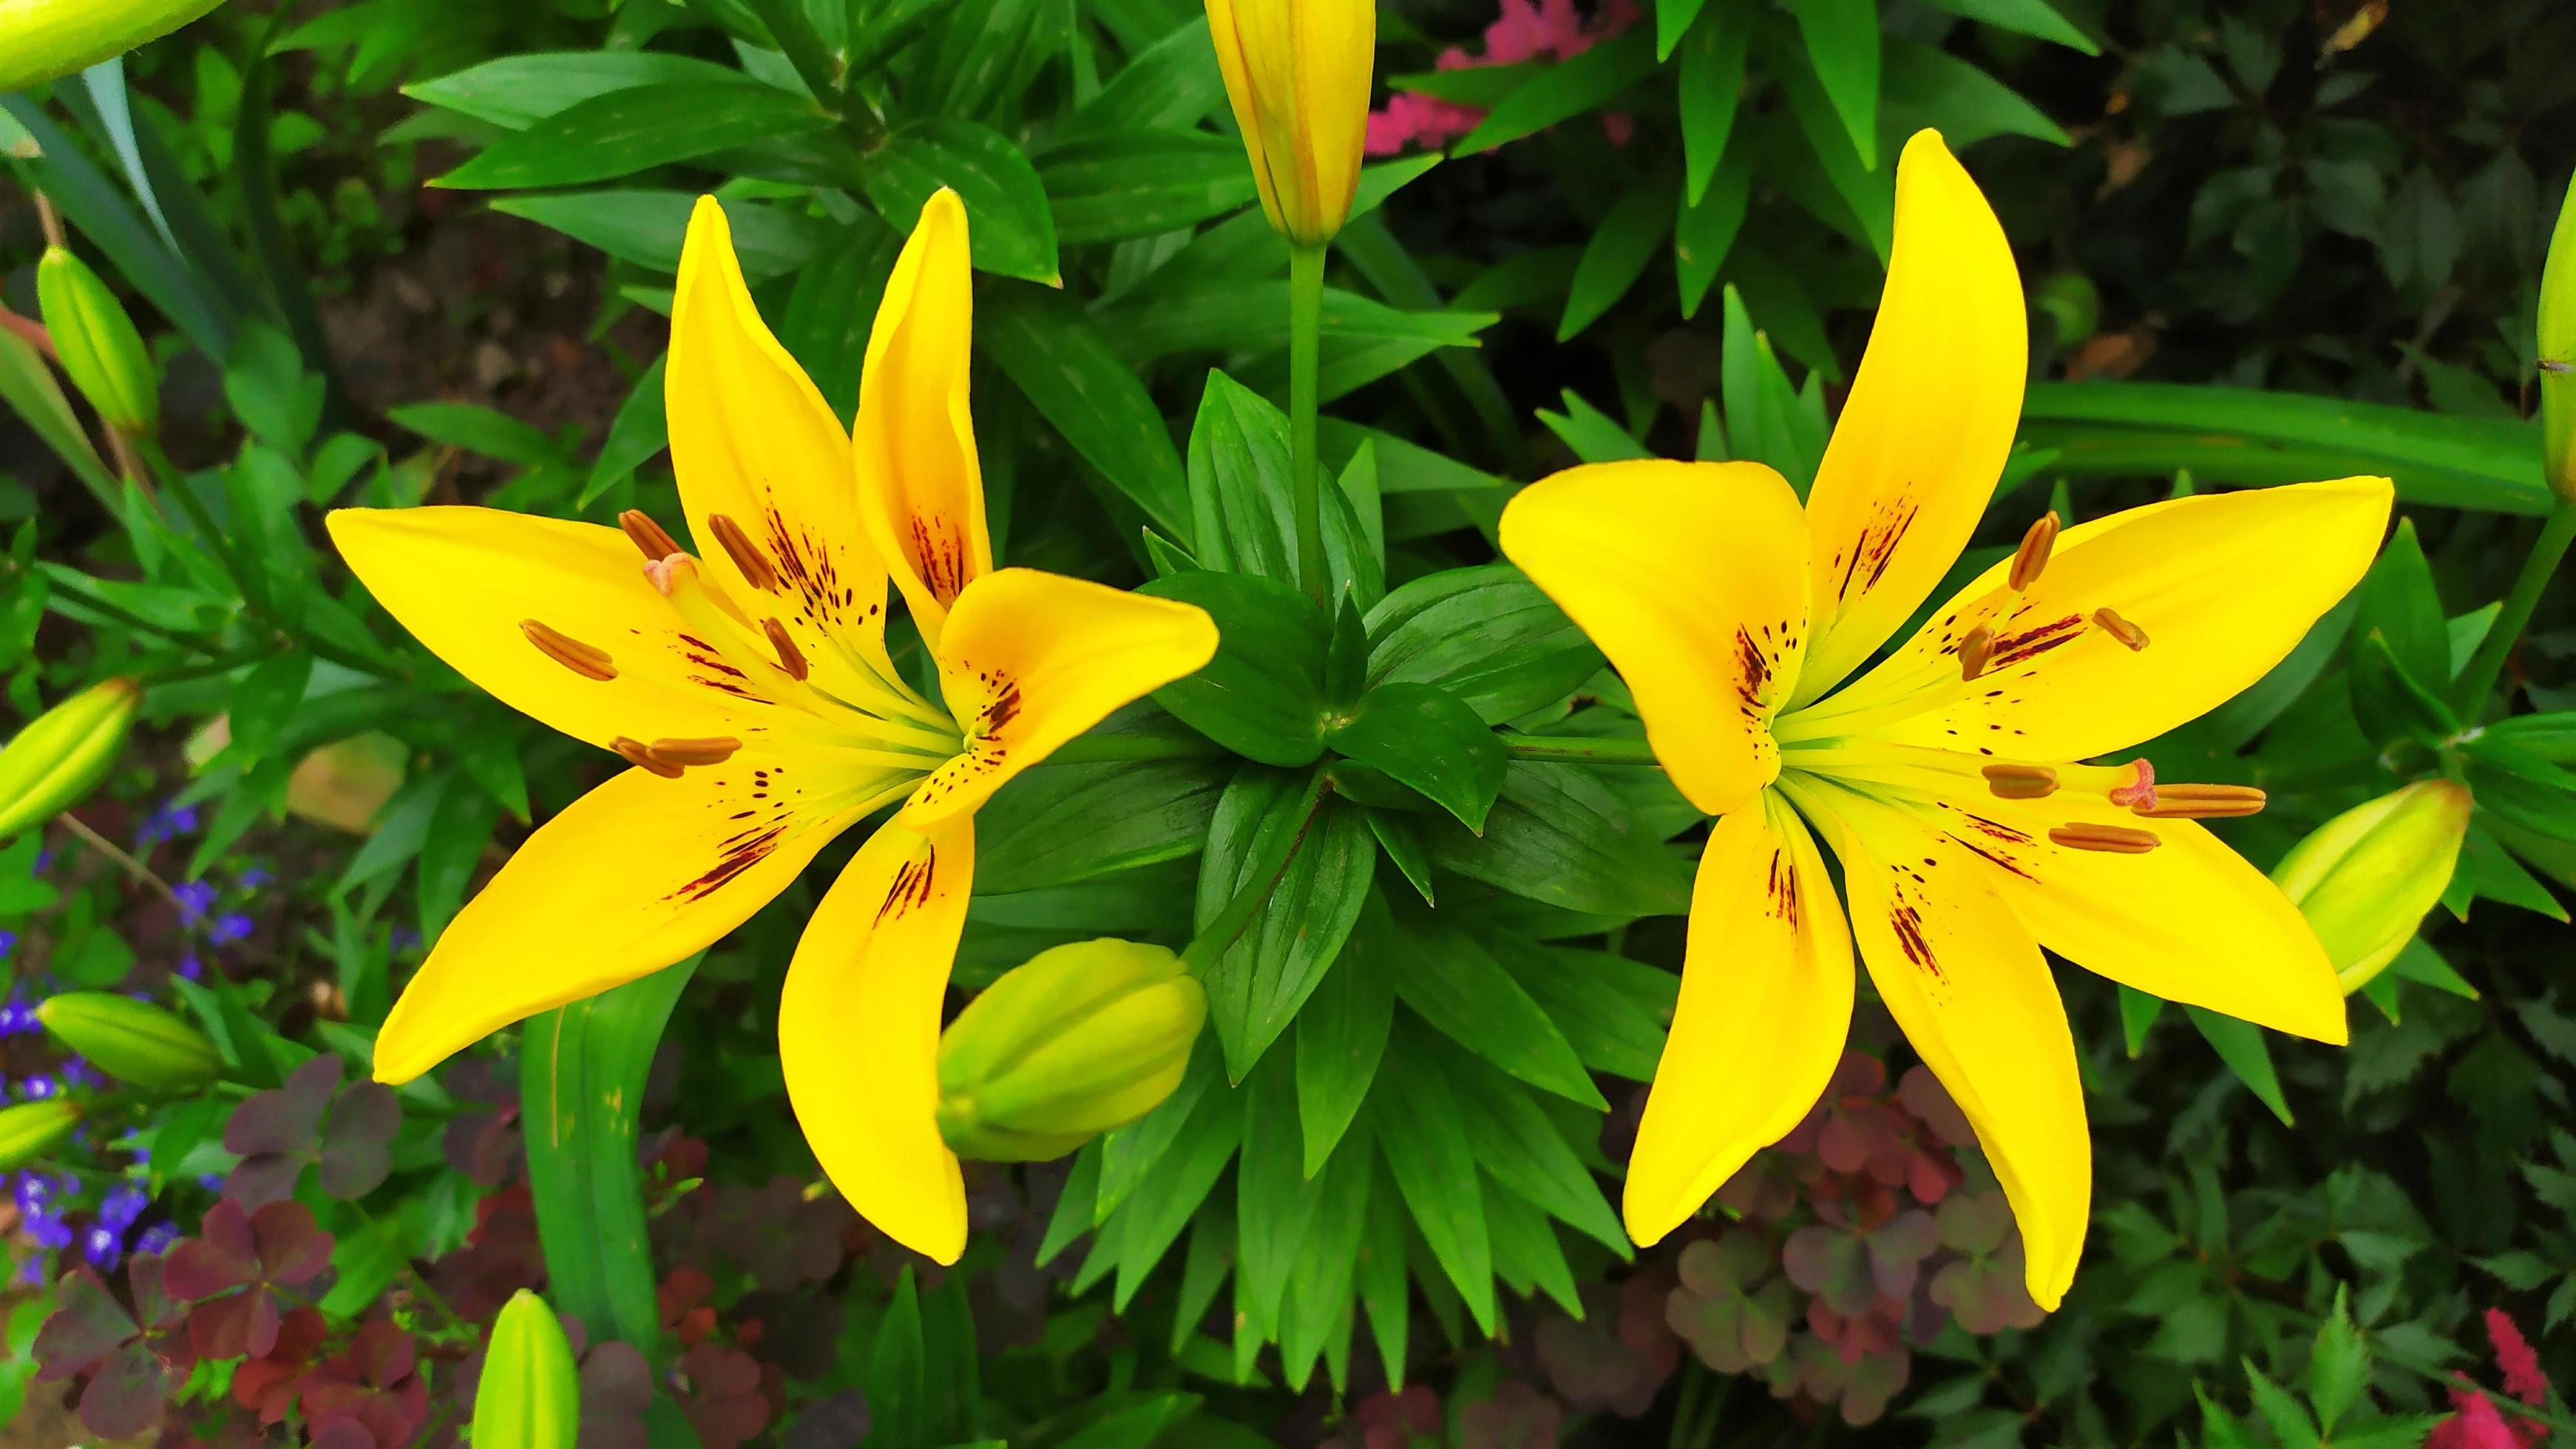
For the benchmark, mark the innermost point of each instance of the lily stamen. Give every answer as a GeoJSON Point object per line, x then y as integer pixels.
{"type": "Point", "coordinates": [1975, 650]}
{"type": "Point", "coordinates": [790, 658]}
{"type": "Point", "coordinates": [711, 750]}
{"type": "Point", "coordinates": [757, 571]}
{"type": "Point", "coordinates": [655, 540]}
{"type": "Point", "coordinates": [640, 755]}
{"type": "Point", "coordinates": [587, 660]}
{"type": "Point", "coordinates": [2112, 839]}
{"type": "Point", "coordinates": [2032, 556]}
{"type": "Point", "coordinates": [2120, 629]}
{"type": "Point", "coordinates": [2021, 782]}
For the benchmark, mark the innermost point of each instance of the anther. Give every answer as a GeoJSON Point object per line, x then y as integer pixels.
{"type": "Point", "coordinates": [711, 750]}
{"type": "Point", "coordinates": [2021, 782]}
{"type": "Point", "coordinates": [755, 565]}
{"type": "Point", "coordinates": [651, 537]}
{"type": "Point", "coordinates": [1975, 650]}
{"type": "Point", "coordinates": [2202, 802]}
{"type": "Point", "coordinates": [2120, 629]}
{"type": "Point", "coordinates": [587, 660]}
{"type": "Point", "coordinates": [790, 658]}
{"type": "Point", "coordinates": [2114, 839]}
{"type": "Point", "coordinates": [2033, 553]}
{"type": "Point", "coordinates": [640, 755]}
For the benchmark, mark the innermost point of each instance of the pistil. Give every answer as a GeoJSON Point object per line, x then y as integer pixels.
{"type": "Point", "coordinates": [587, 660]}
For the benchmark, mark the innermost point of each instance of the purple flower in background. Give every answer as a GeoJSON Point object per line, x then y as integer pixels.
{"type": "Point", "coordinates": [229, 927]}
{"type": "Point", "coordinates": [8, 942]}
{"type": "Point", "coordinates": [190, 968]}
{"type": "Point", "coordinates": [195, 898]}
{"type": "Point", "coordinates": [157, 1238]}
{"type": "Point", "coordinates": [79, 1073]}
{"type": "Point", "coordinates": [44, 860]}
{"type": "Point", "coordinates": [39, 1087]}
{"type": "Point", "coordinates": [169, 822]}
{"type": "Point", "coordinates": [102, 1245]}
{"type": "Point", "coordinates": [123, 1204]}
{"type": "Point", "coordinates": [18, 1017]}
{"type": "Point", "coordinates": [254, 876]}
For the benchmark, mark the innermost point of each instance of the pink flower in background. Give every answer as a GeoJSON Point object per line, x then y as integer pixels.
{"type": "Point", "coordinates": [1526, 31]}
{"type": "Point", "coordinates": [2477, 1422]}
{"type": "Point", "coordinates": [2521, 1366]}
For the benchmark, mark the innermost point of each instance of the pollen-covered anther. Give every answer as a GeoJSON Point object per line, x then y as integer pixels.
{"type": "Point", "coordinates": [2021, 782]}
{"type": "Point", "coordinates": [710, 750]}
{"type": "Point", "coordinates": [790, 658]}
{"type": "Point", "coordinates": [2120, 629]}
{"type": "Point", "coordinates": [587, 660]}
{"type": "Point", "coordinates": [652, 538]}
{"type": "Point", "coordinates": [2202, 802]}
{"type": "Point", "coordinates": [640, 755]}
{"type": "Point", "coordinates": [757, 570]}
{"type": "Point", "coordinates": [2032, 556]}
{"type": "Point", "coordinates": [1975, 650]}
{"type": "Point", "coordinates": [2114, 839]}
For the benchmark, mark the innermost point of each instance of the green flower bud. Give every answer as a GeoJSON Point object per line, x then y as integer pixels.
{"type": "Point", "coordinates": [2365, 878]}
{"type": "Point", "coordinates": [135, 1042]}
{"type": "Point", "coordinates": [64, 753]}
{"type": "Point", "coordinates": [42, 40]}
{"type": "Point", "coordinates": [97, 344]}
{"type": "Point", "coordinates": [32, 1129]}
{"type": "Point", "coordinates": [530, 1396]}
{"type": "Point", "coordinates": [2558, 353]}
{"type": "Point", "coordinates": [1083, 1038]}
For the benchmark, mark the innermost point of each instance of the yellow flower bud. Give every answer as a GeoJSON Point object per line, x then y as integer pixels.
{"type": "Point", "coordinates": [530, 1395]}
{"type": "Point", "coordinates": [1083, 1038]}
{"type": "Point", "coordinates": [133, 1041]}
{"type": "Point", "coordinates": [97, 344]}
{"type": "Point", "coordinates": [2365, 878]}
{"type": "Point", "coordinates": [42, 40]}
{"type": "Point", "coordinates": [2558, 353]}
{"type": "Point", "coordinates": [1298, 73]}
{"type": "Point", "coordinates": [32, 1129]}
{"type": "Point", "coordinates": [64, 754]}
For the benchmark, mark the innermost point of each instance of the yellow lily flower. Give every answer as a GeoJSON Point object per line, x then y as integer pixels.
{"type": "Point", "coordinates": [1298, 73]}
{"type": "Point", "coordinates": [1942, 778]}
{"type": "Point", "coordinates": [749, 686]}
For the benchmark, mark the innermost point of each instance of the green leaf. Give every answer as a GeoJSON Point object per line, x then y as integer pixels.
{"type": "Point", "coordinates": [1132, 1151]}
{"type": "Point", "coordinates": [898, 1384]}
{"type": "Point", "coordinates": [1257, 986]}
{"type": "Point", "coordinates": [1842, 44]}
{"type": "Point", "coordinates": [1262, 696]}
{"type": "Point", "coordinates": [1009, 226]}
{"type": "Point", "coordinates": [647, 227]}
{"type": "Point", "coordinates": [2338, 1366]}
{"type": "Point", "coordinates": [2285, 1416]}
{"type": "Point", "coordinates": [1173, 82]}
{"type": "Point", "coordinates": [1460, 989]}
{"type": "Point", "coordinates": [1558, 835]}
{"type": "Point", "coordinates": [478, 429]}
{"type": "Point", "coordinates": [1423, 736]}
{"type": "Point", "coordinates": [1058, 824]}
{"type": "Point", "coordinates": [1612, 1010]}
{"type": "Point", "coordinates": [623, 132]}
{"type": "Point", "coordinates": [581, 1080]}
{"type": "Point", "coordinates": [1706, 230]}
{"type": "Point", "coordinates": [1926, 86]}
{"type": "Point", "coordinates": [1563, 91]}
{"type": "Point", "coordinates": [2398, 602]}
{"type": "Point", "coordinates": [1594, 435]}
{"type": "Point", "coordinates": [2241, 1046]}
{"type": "Point", "coordinates": [1275, 1200]}
{"type": "Point", "coordinates": [2138, 1012]}
{"type": "Point", "coordinates": [1402, 844]}
{"type": "Point", "coordinates": [28, 386]}
{"type": "Point", "coordinates": [2391, 704]}
{"type": "Point", "coordinates": [1052, 353]}
{"type": "Point", "coordinates": [1520, 1148]}
{"type": "Point", "coordinates": [517, 91]}
{"type": "Point", "coordinates": [1866, 190]}
{"type": "Point", "coordinates": [1143, 183]}
{"type": "Point", "coordinates": [2028, 17]}
{"type": "Point", "coordinates": [1152, 1221]}
{"type": "Point", "coordinates": [1487, 635]}
{"type": "Point", "coordinates": [1341, 1033]}
{"type": "Point", "coordinates": [1321, 1283]}
{"type": "Point", "coordinates": [1527, 1255]}
{"type": "Point", "coordinates": [1419, 1126]}
{"type": "Point", "coordinates": [1380, 1277]}
{"type": "Point", "coordinates": [1242, 505]}
{"type": "Point", "coordinates": [1622, 244]}
{"type": "Point", "coordinates": [1711, 79]}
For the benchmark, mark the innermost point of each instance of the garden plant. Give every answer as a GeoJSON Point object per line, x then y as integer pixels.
{"type": "Point", "coordinates": [1094, 724]}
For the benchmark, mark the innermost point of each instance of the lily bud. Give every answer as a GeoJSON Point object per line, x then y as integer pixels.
{"type": "Point", "coordinates": [1298, 74]}
{"type": "Point", "coordinates": [42, 40]}
{"type": "Point", "coordinates": [1083, 1038]}
{"type": "Point", "coordinates": [97, 344]}
{"type": "Point", "coordinates": [530, 1395]}
{"type": "Point", "coordinates": [32, 1129]}
{"type": "Point", "coordinates": [133, 1041]}
{"type": "Point", "coordinates": [2365, 878]}
{"type": "Point", "coordinates": [64, 753]}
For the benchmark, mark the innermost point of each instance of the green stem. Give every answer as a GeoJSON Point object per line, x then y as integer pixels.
{"type": "Point", "coordinates": [1305, 346]}
{"type": "Point", "coordinates": [1581, 750]}
{"type": "Point", "coordinates": [2469, 691]}
{"type": "Point", "coordinates": [1096, 749]}
{"type": "Point", "coordinates": [57, 585]}
{"type": "Point", "coordinates": [1203, 950]}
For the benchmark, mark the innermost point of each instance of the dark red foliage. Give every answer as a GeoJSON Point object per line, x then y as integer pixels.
{"type": "Point", "coordinates": [1516, 1417]}
{"type": "Point", "coordinates": [373, 1384]}
{"type": "Point", "coordinates": [720, 1391]}
{"type": "Point", "coordinates": [133, 1358]}
{"type": "Point", "coordinates": [267, 1386]}
{"type": "Point", "coordinates": [311, 1120]}
{"type": "Point", "coordinates": [1389, 1420]}
{"type": "Point", "coordinates": [501, 1256]}
{"type": "Point", "coordinates": [229, 1272]}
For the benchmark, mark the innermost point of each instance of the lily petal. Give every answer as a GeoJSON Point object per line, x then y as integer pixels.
{"type": "Point", "coordinates": [469, 583]}
{"type": "Point", "coordinates": [1915, 454]}
{"type": "Point", "coordinates": [764, 472]}
{"type": "Point", "coordinates": [921, 488]}
{"type": "Point", "coordinates": [1031, 659]}
{"type": "Point", "coordinates": [2214, 589]}
{"type": "Point", "coordinates": [1765, 1008]}
{"type": "Point", "coordinates": [631, 877]}
{"type": "Point", "coordinates": [1974, 997]}
{"type": "Point", "coordinates": [1692, 577]}
{"type": "Point", "coordinates": [858, 1032]}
